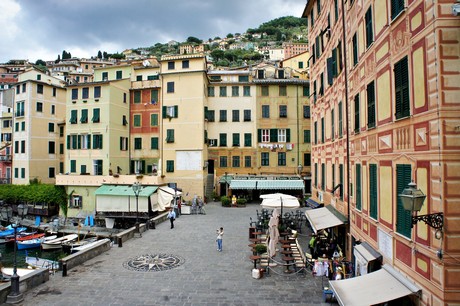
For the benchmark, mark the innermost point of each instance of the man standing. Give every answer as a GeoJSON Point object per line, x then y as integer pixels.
{"type": "Point", "coordinates": [171, 217]}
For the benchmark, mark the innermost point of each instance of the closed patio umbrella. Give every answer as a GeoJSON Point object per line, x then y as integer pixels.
{"type": "Point", "coordinates": [273, 233]}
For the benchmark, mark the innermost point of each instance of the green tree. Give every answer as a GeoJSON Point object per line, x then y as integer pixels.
{"type": "Point", "coordinates": [99, 54]}
{"type": "Point", "coordinates": [217, 54]}
{"type": "Point", "coordinates": [195, 40]}
{"type": "Point", "coordinates": [230, 35]}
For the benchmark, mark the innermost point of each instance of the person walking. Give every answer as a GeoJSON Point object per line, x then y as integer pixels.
{"type": "Point", "coordinates": [220, 233]}
{"type": "Point", "coordinates": [172, 217]}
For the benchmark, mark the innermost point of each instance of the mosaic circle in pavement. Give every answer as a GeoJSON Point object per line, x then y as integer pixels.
{"type": "Point", "coordinates": [153, 262]}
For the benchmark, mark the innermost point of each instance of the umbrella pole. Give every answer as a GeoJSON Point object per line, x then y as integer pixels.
{"type": "Point", "coordinates": [281, 216]}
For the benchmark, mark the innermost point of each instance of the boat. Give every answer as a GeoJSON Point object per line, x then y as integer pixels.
{"type": "Point", "coordinates": [36, 262]}
{"type": "Point", "coordinates": [9, 230]}
{"type": "Point", "coordinates": [69, 246]}
{"type": "Point", "coordinates": [57, 243]}
{"type": "Point", "coordinates": [8, 272]}
{"type": "Point", "coordinates": [33, 243]}
{"type": "Point", "coordinates": [83, 246]}
{"type": "Point", "coordinates": [24, 236]}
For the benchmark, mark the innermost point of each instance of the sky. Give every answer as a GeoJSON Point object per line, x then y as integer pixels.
{"type": "Point", "coordinates": [42, 29]}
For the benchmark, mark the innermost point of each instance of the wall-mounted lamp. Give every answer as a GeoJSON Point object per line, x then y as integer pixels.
{"type": "Point", "coordinates": [299, 169]}
{"type": "Point", "coordinates": [412, 200]}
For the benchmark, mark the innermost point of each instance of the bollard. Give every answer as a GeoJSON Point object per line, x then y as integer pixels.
{"type": "Point", "coordinates": [120, 242]}
{"type": "Point", "coordinates": [64, 269]}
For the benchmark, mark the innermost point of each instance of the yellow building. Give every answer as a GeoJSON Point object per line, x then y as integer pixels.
{"type": "Point", "coordinates": [298, 64]}
{"type": "Point", "coordinates": [39, 105]}
{"type": "Point", "coordinates": [385, 113]}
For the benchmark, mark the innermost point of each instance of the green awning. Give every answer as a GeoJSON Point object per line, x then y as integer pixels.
{"type": "Point", "coordinates": [124, 190]}
{"type": "Point", "coordinates": [243, 184]}
{"type": "Point", "coordinates": [225, 179]}
{"type": "Point", "coordinates": [280, 184]}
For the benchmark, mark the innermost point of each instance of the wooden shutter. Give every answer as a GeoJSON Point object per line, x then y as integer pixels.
{"type": "Point", "coordinates": [288, 135]}
{"type": "Point", "coordinates": [273, 135]}
{"type": "Point", "coordinates": [373, 191]}
{"type": "Point", "coordinates": [358, 186]}
{"type": "Point", "coordinates": [403, 217]}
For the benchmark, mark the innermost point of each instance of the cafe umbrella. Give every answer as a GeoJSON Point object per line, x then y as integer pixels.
{"type": "Point", "coordinates": [273, 232]}
{"type": "Point", "coordinates": [279, 200]}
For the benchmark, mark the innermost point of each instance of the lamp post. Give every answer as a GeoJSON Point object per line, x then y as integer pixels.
{"type": "Point", "coordinates": [22, 210]}
{"type": "Point", "coordinates": [7, 213]}
{"type": "Point", "coordinates": [412, 200]}
{"type": "Point", "coordinates": [137, 189]}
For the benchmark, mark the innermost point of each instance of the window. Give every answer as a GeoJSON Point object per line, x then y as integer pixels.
{"type": "Point", "coordinates": [264, 159]}
{"type": "Point", "coordinates": [124, 121]}
{"type": "Point", "coordinates": [139, 78]}
{"type": "Point", "coordinates": [235, 139]}
{"type": "Point", "coordinates": [53, 109]}
{"type": "Point", "coordinates": [171, 111]}
{"type": "Point", "coordinates": [265, 111]}
{"type": "Point", "coordinates": [222, 91]}
{"type": "Point", "coordinates": [137, 120]}
{"type": "Point", "coordinates": [170, 135]}
{"type": "Point", "coordinates": [154, 143]}
{"type": "Point", "coordinates": [235, 91]}
{"type": "Point", "coordinates": [355, 49]}
{"type": "Point", "coordinates": [370, 105]}
{"type": "Point", "coordinates": [312, 20]}
{"type": "Point", "coordinates": [307, 159]}
{"type": "Point", "coordinates": [401, 75]}
{"type": "Point", "coordinates": [283, 135]}
{"type": "Point", "coordinates": [85, 93]}
{"type": "Point", "coordinates": [306, 111]}
{"type": "Point", "coordinates": [223, 161]}
{"type": "Point", "coordinates": [282, 91]}
{"type": "Point", "coordinates": [61, 131]}
{"type": "Point", "coordinates": [39, 88]}
{"type": "Point", "coordinates": [403, 217]}
{"type": "Point", "coordinates": [322, 130]}
{"type": "Point", "coordinates": [397, 6]}
{"type": "Point", "coordinates": [222, 139]}
{"type": "Point", "coordinates": [247, 161]}
{"type": "Point", "coordinates": [76, 200]}
{"type": "Point", "coordinates": [24, 87]}
{"type": "Point", "coordinates": [171, 65]}
{"type": "Point", "coordinates": [235, 161]}
{"type": "Point", "coordinates": [306, 91]}
{"type": "Point", "coordinates": [84, 141]}
{"type": "Point", "coordinates": [246, 91]}
{"type": "Point", "coordinates": [153, 119]}
{"type": "Point", "coordinates": [73, 166]}
{"type": "Point", "coordinates": [97, 141]}
{"type": "Point", "coordinates": [323, 176]}
{"type": "Point", "coordinates": [123, 143]}
{"type": "Point", "coordinates": [137, 97]}
{"type": "Point", "coordinates": [264, 135]}
{"type": "Point", "coordinates": [300, 66]}
{"type": "Point", "coordinates": [185, 64]}
{"type": "Point", "coordinates": [318, 6]}
{"type": "Point", "coordinates": [39, 107]}
{"type": "Point", "coordinates": [97, 167]}
{"type": "Point", "coordinates": [119, 75]}
{"type": "Point", "coordinates": [137, 143]}
{"type": "Point", "coordinates": [105, 76]}
{"type": "Point", "coordinates": [23, 126]}
{"type": "Point", "coordinates": [51, 147]}
{"type": "Point", "coordinates": [321, 84]}
{"type": "Point", "coordinates": [96, 117]}
{"type": "Point", "coordinates": [341, 180]}
{"type": "Point", "coordinates": [235, 115]}
{"type": "Point", "coordinates": [243, 78]}
{"type": "Point", "coordinates": [97, 91]}
{"type": "Point", "coordinates": [223, 115]}
{"type": "Point", "coordinates": [332, 124]}
{"type": "Point", "coordinates": [23, 172]}
{"type": "Point", "coordinates": [39, 77]}
{"type": "Point", "coordinates": [283, 111]}
{"type": "Point", "coordinates": [369, 29]}
{"type": "Point", "coordinates": [281, 158]}
{"type": "Point", "coordinates": [247, 139]}
{"type": "Point", "coordinates": [211, 116]}
{"type": "Point", "coordinates": [358, 186]}
{"type": "Point", "coordinates": [84, 116]}
{"type": "Point", "coordinates": [73, 116]}
{"type": "Point", "coordinates": [357, 123]}
{"type": "Point", "coordinates": [247, 115]}
{"type": "Point", "coordinates": [340, 119]}
{"type": "Point", "coordinates": [306, 136]}
{"type": "Point", "coordinates": [170, 87]}
{"type": "Point", "coordinates": [153, 77]}
{"type": "Point", "coordinates": [211, 91]}
{"type": "Point", "coordinates": [74, 93]}
{"type": "Point", "coordinates": [61, 149]}
{"type": "Point", "coordinates": [315, 126]}
{"type": "Point", "coordinates": [51, 127]}
{"type": "Point", "coordinates": [336, 10]}
{"type": "Point", "coordinates": [373, 206]}
{"type": "Point", "coordinates": [264, 90]}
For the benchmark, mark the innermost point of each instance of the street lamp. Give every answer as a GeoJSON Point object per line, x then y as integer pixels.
{"type": "Point", "coordinates": [299, 169]}
{"type": "Point", "coordinates": [137, 189]}
{"type": "Point", "coordinates": [7, 213]}
{"type": "Point", "coordinates": [15, 295]}
{"type": "Point", "coordinates": [22, 210]}
{"type": "Point", "coordinates": [412, 200]}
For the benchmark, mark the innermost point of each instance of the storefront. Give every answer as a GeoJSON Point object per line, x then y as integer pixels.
{"type": "Point", "coordinates": [367, 259]}
{"type": "Point", "coordinates": [251, 187]}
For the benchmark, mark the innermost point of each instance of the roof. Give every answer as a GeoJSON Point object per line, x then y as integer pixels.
{"type": "Point", "coordinates": [124, 190]}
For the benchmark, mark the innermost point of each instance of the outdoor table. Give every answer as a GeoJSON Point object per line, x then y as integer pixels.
{"type": "Point", "coordinates": [253, 246]}
{"type": "Point", "coordinates": [289, 261]}
{"type": "Point", "coordinates": [255, 240]}
{"type": "Point", "coordinates": [255, 258]}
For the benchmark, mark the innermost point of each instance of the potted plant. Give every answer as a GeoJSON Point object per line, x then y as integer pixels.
{"type": "Point", "coordinates": [260, 248]}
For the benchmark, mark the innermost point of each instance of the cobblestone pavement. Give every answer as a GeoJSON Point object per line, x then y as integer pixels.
{"type": "Point", "coordinates": [203, 276]}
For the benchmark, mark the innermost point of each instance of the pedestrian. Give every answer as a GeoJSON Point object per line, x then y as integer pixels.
{"type": "Point", "coordinates": [312, 245]}
{"type": "Point", "coordinates": [194, 202]}
{"type": "Point", "coordinates": [171, 217]}
{"type": "Point", "coordinates": [220, 233]}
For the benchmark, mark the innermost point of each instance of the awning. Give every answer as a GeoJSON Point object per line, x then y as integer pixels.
{"type": "Point", "coordinates": [267, 184]}
{"type": "Point", "coordinates": [225, 179]}
{"type": "Point", "coordinates": [377, 287]}
{"type": "Point", "coordinates": [125, 190]}
{"type": "Point", "coordinates": [313, 204]}
{"type": "Point", "coordinates": [322, 218]}
{"type": "Point", "coordinates": [243, 184]}
{"type": "Point", "coordinates": [367, 252]}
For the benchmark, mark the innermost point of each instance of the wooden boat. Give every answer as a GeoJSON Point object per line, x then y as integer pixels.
{"type": "Point", "coordinates": [67, 247]}
{"type": "Point", "coordinates": [36, 262]}
{"type": "Point", "coordinates": [9, 230]}
{"type": "Point", "coordinates": [83, 245]}
{"type": "Point", "coordinates": [24, 236]}
{"type": "Point", "coordinates": [33, 243]}
{"type": "Point", "coordinates": [57, 243]}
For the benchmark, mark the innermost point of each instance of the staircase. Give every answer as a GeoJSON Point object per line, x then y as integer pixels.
{"type": "Point", "coordinates": [209, 186]}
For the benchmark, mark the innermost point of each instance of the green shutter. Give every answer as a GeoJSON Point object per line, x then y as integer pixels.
{"type": "Point", "coordinates": [403, 217]}
{"type": "Point", "coordinates": [373, 191]}
{"type": "Point", "coordinates": [154, 143]}
{"type": "Point", "coordinates": [288, 135]}
{"type": "Point", "coordinates": [163, 108]}
{"type": "Point", "coordinates": [259, 135]}
{"type": "Point", "coordinates": [176, 111]}
{"type": "Point", "coordinates": [273, 135]}
{"type": "Point", "coordinates": [68, 142]}
{"type": "Point", "coordinates": [358, 187]}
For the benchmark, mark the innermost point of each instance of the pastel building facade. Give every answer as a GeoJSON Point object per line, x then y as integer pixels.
{"type": "Point", "coordinates": [384, 113]}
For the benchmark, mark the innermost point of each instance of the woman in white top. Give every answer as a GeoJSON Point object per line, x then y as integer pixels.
{"type": "Point", "coordinates": [220, 233]}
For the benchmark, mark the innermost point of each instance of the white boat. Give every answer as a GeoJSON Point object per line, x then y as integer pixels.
{"type": "Point", "coordinates": [83, 246]}
{"type": "Point", "coordinates": [57, 243]}
{"type": "Point", "coordinates": [8, 272]}
{"type": "Point", "coordinates": [68, 247]}
{"type": "Point", "coordinates": [36, 262]}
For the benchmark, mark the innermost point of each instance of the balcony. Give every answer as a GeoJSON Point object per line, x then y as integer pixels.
{"type": "Point", "coordinates": [5, 158]}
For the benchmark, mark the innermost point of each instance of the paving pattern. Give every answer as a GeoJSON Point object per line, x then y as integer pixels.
{"type": "Point", "coordinates": [188, 269]}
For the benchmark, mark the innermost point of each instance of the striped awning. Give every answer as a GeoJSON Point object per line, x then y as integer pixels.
{"type": "Point", "coordinates": [280, 184]}
{"type": "Point", "coordinates": [124, 190]}
{"type": "Point", "coordinates": [243, 184]}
